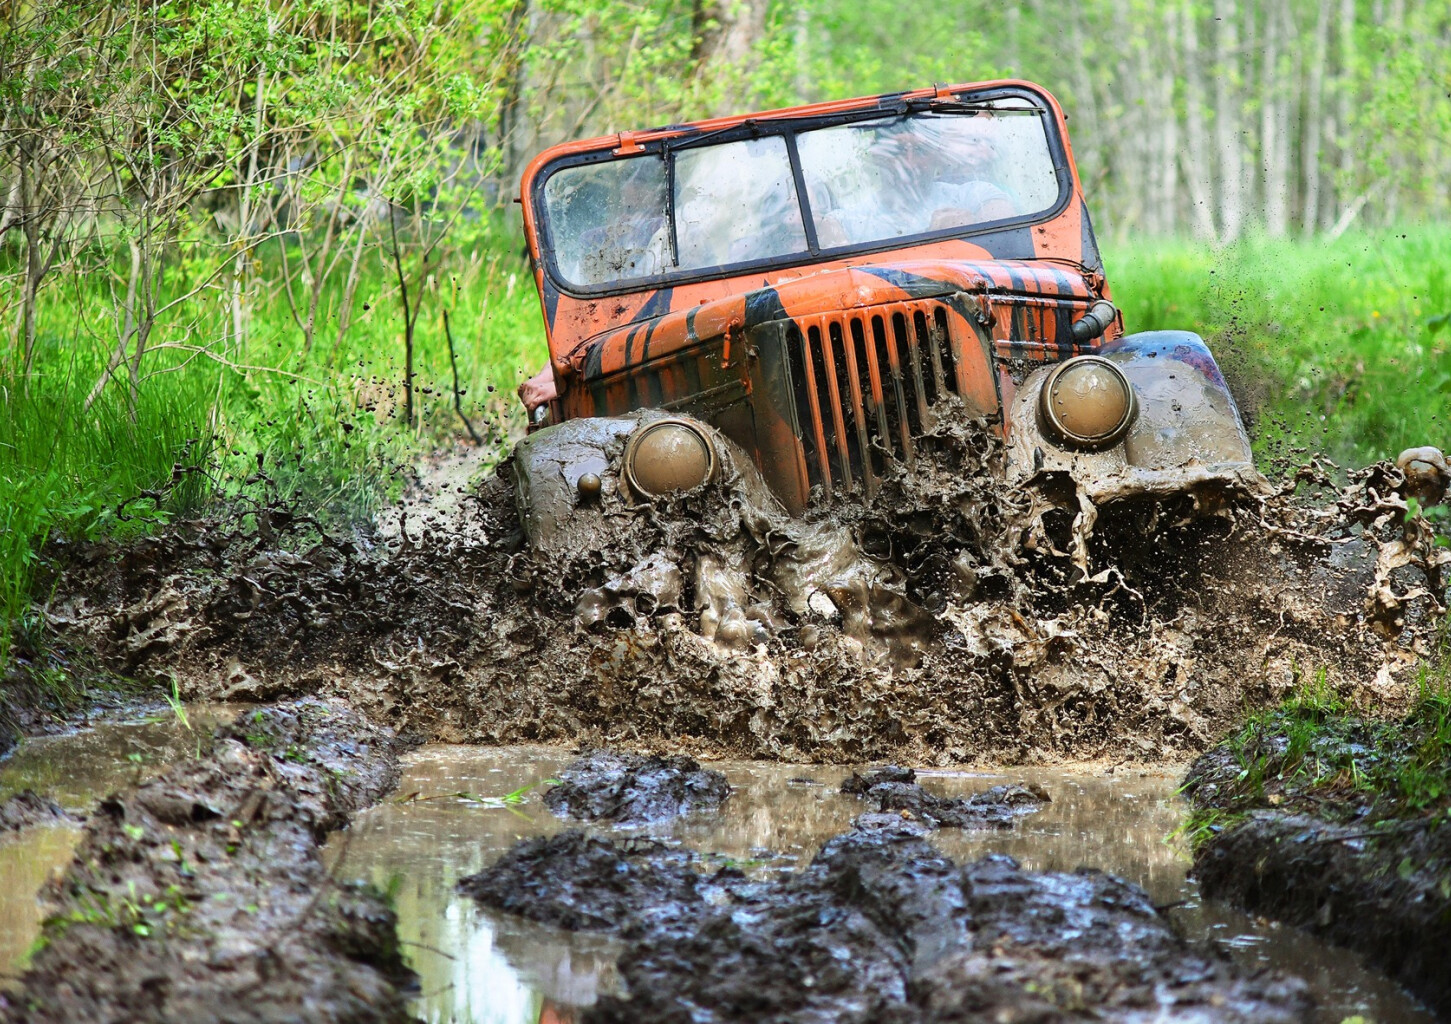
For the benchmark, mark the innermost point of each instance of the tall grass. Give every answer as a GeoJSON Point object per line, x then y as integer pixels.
{"type": "Point", "coordinates": [1342, 347]}
{"type": "Point", "coordinates": [265, 420]}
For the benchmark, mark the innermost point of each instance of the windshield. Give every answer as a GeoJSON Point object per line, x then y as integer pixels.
{"type": "Point", "coordinates": [702, 206]}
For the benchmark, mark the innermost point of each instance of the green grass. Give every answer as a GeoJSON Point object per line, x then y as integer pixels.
{"type": "Point", "coordinates": [1340, 347]}
{"type": "Point", "coordinates": [321, 430]}
{"type": "Point", "coordinates": [1315, 755]}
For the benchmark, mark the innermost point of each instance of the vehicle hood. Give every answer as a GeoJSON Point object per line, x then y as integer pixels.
{"type": "Point", "coordinates": [835, 290]}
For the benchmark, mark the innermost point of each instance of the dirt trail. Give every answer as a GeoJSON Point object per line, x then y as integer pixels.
{"type": "Point", "coordinates": [201, 895]}
{"type": "Point", "coordinates": [464, 634]}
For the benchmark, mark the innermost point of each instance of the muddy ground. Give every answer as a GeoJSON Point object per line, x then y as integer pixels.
{"type": "Point", "coordinates": [1339, 825]}
{"type": "Point", "coordinates": [880, 928]}
{"type": "Point", "coordinates": [451, 628]}
{"type": "Point", "coordinates": [201, 896]}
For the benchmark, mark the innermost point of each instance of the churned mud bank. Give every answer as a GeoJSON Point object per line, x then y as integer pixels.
{"type": "Point", "coordinates": [973, 630]}
{"type": "Point", "coordinates": [1339, 825]}
{"type": "Point", "coordinates": [879, 927]}
{"type": "Point", "coordinates": [201, 895]}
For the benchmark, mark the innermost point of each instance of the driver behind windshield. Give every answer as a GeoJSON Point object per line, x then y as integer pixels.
{"type": "Point", "coordinates": [916, 176]}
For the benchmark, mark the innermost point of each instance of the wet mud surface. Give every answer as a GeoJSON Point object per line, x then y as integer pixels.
{"type": "Point", "coordinates": [28, 808]}
{"type": "Point", "coordinates": [971, 631]}
{"type": "Point", "coordinates": [200, 895]}
{"type": "Point", "coordinates": [880, 926]}
{"type": "Point", "coordinates": [895, 789]}
{"type": "Point", "coordinates": [1292, 835]}
{"type": "Point", "coordinates": [484, 965]}
{"type": "Point", "coordinates": [626, 788]}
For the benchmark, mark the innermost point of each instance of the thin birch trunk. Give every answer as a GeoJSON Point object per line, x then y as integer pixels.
{"type": "Point", "coordinates": [1313, 123]}
{"type": "Point", "coordinates": [1226, 121]}
{"type": "Point", "coordinates": [1346, 186]}
{"type": "Point", "coordinates": [1196, 150]}
{"type": "Point", "coordinates": [1271, 126]}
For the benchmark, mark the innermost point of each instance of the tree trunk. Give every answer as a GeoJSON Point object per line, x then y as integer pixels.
{"type": "Point", "coordinates": [1226, 120]}
{"type": "Point", "coordinates": [1168, 156]}
{"type": "Point", "coordinates": [1346, 186]}
{"type": "Point", "coordinates": [1314, 112]}
{"type": "Point", "coordinates": [1196, 171]}
{"type": "Point", "coordinates": [1272, 126]}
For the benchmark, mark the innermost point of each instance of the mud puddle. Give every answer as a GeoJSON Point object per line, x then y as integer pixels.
{"type": "Point", "coordinates": [74, 770]}
{"type": "Point", "coordinates": [479, 966]}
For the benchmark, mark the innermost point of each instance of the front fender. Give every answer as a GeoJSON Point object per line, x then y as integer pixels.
{"type": "Point", "coordinates": [1188, 436]}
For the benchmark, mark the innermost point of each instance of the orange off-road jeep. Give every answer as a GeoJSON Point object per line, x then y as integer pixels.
{"type": "Point", "coordinates": [813, 287]}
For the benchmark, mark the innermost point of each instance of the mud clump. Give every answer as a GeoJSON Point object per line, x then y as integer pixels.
{"type": "Point", "coordinates": [630, 789]}
{"type": "Point", "coordinates": [896, 789]}
{"type": "Point", "coordinates": [1337, 824]}
{"type": "Point", "coordinates": [201, 896]}
{"type": "Point", "coordinates": [880, 927]}
{"type": "Point", "coordinates": [585, 883]}
{"type": "Point", "coordinates": [967, 596]}
{"type": "Point", "coordinates": [28, 808]}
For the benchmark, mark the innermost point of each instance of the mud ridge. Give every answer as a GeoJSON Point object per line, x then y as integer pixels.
{"type": "Point", "coordinates": [994, 646]}
{"type": "Point", "coordinates": [894, 788]}
{"type": "Point", "coordinates": [1339, 825]}
{"type": "Point", "coordinates": [629, 789]}
{"type": "Point", "coordinates": [28, 808]}
{"type": "Point", "coordinates": [879, 928]}
{"type": "Point", "coordinates": [201, 896]}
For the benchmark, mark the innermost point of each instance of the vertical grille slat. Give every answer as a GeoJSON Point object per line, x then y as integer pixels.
{"type": "Point", "coordinates": [817, 428]}
{"type": "Point", "coordinates": [855, 348]}
{"type": "Point", "coordinates": [866, 384]}
{"type": "Point", "coordinates": [830, 341]}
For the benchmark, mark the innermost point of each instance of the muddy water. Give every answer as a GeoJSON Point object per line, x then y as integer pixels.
{"type": "Point", "coordinates": [76, 769]}
{"type": "Point", "coordinates": [481, 967]}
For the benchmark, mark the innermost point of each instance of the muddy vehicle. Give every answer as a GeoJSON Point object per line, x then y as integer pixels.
{"type": "Point", "coordinates": [799, 305]}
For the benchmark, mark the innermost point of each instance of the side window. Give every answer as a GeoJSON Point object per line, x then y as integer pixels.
{"type": "Point", "coordinates": [735, 203]}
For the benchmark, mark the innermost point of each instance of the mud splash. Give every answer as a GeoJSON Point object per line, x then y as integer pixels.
{"type": "Point", "coordinates": [201, 894]}
{"type": "Point", "coordinates": [1009, 652]}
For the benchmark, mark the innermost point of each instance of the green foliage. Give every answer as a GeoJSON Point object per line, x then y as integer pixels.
{"type": "Point", "coordinates": [1336, 346]}
{"type": "Point", "coordinates": [1313, 754]}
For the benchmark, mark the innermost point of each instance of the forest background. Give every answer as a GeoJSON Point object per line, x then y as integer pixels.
{"type": "Point", "coordinates": [265, 250]}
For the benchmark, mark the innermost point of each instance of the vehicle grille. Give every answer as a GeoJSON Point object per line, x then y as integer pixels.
{"type": "Point", "coordinates": [865, 385]}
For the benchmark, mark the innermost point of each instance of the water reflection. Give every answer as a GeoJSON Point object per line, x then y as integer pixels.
{"type": "Point", "coordinates": [76, 769]}
{"type": "Point", "coordinates": [477, 966]}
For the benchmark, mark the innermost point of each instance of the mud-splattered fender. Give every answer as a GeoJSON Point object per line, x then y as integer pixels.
{"type": "Point", "coordinates": [1187, 437]}
{"type": "Point", "coordinates": [547, 467]}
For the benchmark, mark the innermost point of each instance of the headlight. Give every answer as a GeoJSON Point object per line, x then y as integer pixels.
{"type": "Point", "coordinates": [1087, 402]}
{"type": "Point", "coordinates": [668, 456]}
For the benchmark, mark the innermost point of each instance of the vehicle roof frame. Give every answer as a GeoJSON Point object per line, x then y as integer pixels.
{"type": "Point", "coordinates": [787, 123]}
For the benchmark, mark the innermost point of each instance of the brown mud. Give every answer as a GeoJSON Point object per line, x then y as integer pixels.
{"type": "Point", "coordinates": [629, 789]}
{"type": "Point", "coordinates": [971, 637]}
{"type": "Point", "coordinates": [201, 896]}
{"type": "Point", "coordinates": [880, 927]}
{"type": "Point", "coordinates": [1292, 835]}
{"type": "Point", "coordinates": [27, 809]}
{"type": "Point", "coordinates": [895, 789]}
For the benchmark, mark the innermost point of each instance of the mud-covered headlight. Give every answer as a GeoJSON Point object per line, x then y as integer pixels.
{"type": "Point", "coordinates": [668, 456]}
{"type": "Point", "coordinates": [1087, 402]}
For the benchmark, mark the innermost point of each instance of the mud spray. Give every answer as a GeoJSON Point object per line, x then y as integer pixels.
{"type": "Point", "coordinates": [949, 619]}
